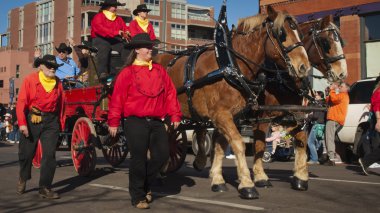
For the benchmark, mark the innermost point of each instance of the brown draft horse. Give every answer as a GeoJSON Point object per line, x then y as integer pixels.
{"type": "Point", "coordinates": [324, 47]}
{"type": "Point", "coordinates": [220, 102]}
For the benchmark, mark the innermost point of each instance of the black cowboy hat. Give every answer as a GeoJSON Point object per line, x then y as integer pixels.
{"type": "Point", "coordinates": [87, 46]}
{"type": "Point", "coordinates": [141, 40]}
{"type": "Point", "coordinates": [141, 8]}
{"type": "Point", "coordinates": [47, 60]}
{"type": "Point", "coordinates": [64, 48]}
{"type": "Point", "coordinates": [109, 3]}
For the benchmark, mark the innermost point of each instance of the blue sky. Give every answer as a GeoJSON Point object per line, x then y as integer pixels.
{"type": "Point", "coordinates": [235, 8]}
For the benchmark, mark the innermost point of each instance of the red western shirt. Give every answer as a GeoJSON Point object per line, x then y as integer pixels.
{"type": "Point", "coordinates": [101, 26]}
{"type": "Point", "coordinates": [32, 93]}
{"type": "Point", "coordinates": [135, 29]}
{"type": "Point", "coordinates": [141, 92]}
{"type": "Point", "coordinates": [375, 101]}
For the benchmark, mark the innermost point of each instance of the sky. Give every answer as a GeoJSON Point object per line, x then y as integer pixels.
{"type": "Point", "coordinates": [235, 9]}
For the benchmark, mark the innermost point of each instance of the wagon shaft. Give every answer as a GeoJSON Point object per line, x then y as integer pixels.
{"type": "Point", "coordinates": [291, 108]}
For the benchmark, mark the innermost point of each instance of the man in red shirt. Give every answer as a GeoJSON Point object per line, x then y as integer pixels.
{"type": "Point", "coordinates": [39, 106]}
{"type": "Point", "coordinates": [141, 22]}
{"type": "Point", "coordinates": [107, 32]}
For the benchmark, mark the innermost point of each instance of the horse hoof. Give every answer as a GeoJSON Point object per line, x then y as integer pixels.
{"type": "Point", "coordinates": [219, 187]}
{"type": "Point", "coordinates": [298, 184]}
{"type": "Point", "coordinates": [263, 184]}
{"type": "Point", "coordinates": [199, 165]}
{"type": "Point", "coordinates": [249, 193]}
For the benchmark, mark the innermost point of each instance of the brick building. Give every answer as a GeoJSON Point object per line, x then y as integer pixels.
{"type": "Point", "coordinates": [47, 23]}
{"type": "Point", "coordinates": [359, 22]}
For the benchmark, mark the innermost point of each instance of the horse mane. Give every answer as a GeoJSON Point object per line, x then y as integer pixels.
{"type": "Point", "coordinates": [251, 22]}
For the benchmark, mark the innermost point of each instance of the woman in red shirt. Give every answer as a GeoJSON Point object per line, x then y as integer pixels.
{"type": "Point", "coordinates": [143, 96]}
{"type": "Point", "coordinates": [107, 33]}
{"type": "Point", "coordinates": [141, 23]}
{"type": "Point", "coordinates": [374, 156]}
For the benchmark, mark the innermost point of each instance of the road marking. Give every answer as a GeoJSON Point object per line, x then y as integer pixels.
{"type": "Point", "coordinates": [178, 197]}
{"type": "Point", "coordinates": [326, 179]}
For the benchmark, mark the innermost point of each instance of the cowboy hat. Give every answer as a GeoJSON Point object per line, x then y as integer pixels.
{"type": "Point", "coordinates": [47, 60]}
{"type": "Point", "coordinates": [141, 40]}
{"type": "Point", "coordinates": [87, 46]}
{"type": "Point", "coordinates": [64, 48]}
{"type": "Point", "coordinates": [141, 8]}
{"type": "Point", "coordinates": [109, 3]}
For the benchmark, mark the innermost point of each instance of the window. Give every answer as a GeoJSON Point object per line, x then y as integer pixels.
{"type": "Point", "coordinates": [44, 24]}
{"type": "Point", "coordinates": [46, 49]}
{"type": "Point", "coordinates": [17, 91]}
{"type": "Point", "coordinates": [1, 83]}
{"type": "Point", "coordinates": [178, 32]}
{"type": "Point", "coordinates": [70, 27]}
{"type": "Point", "coordinates": [91, 2]}
{"type": "Point", "coordinates": [17, 71]}
{"type": "Point", "coordinates": [176, 47]}
{"type": "Point", "coordinates": [156, 27]}
{"type": "Point", "coordinates": [153, 5]}
{"type": "Point", "coordinates": [361, 92]}
{"type": "Point", "coordinates": [200, 15]}
{"type": "Point", "coordinates": [178, 11]}
{"type": "Point", "coordinates": [371, 41]}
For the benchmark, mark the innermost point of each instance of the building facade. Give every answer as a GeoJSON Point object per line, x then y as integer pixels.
{"type": "Point", "coordinates": [359, 22]}
{"type": "Point", "coordinates": [45, 24]}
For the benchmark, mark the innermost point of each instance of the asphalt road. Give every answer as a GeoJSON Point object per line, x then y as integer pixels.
{"type": "Point", "coordinates": [331, 189]}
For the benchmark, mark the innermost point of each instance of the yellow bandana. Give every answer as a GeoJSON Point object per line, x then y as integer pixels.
{"type": "Point", "coordinates": [142, 23]}
{"type": "Point", "coordinates": [143, 63]}
{"type": "Point", "coordinates": [109, 15]}
{"type": "Point", "coordinates": [47, 83]}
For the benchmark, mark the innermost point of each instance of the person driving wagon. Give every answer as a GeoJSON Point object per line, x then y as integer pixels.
{"type": "Point", "coordinates": [143, 95]}
{"type": "Point", "coordinates": [108, 32]}
{"type": "Point", "coordinates": [141, 22]}
{"type": "Point", "coordinates": [69, 69]}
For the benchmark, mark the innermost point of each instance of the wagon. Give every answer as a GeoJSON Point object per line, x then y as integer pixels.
{"type": "Point", "coordinates": [86, 129]}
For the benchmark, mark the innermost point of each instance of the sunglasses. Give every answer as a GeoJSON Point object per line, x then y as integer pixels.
{"type": "Point", "coordinates": [62, 52]}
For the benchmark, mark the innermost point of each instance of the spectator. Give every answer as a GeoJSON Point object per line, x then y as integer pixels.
{"type": "Point", "coordinates": [69, 70]}
{"type": "Point", "coordinates": [229, 154]}
{"type": "Point", "coordinates": [15, 133]}
{"type": "Point", "coordinates": [277, 134]}
{"type": "Point", "coordinates": [141, 22]}
{"type": "Point", "coordinates": [108, 32]}
{"type": "Point", "coordinates": [9, 128]}
{"type": "Point", "coordinates": [374, 156]}
{"type": "Point", "coordinates": [3, 110]}
{"type": "Point", "coordinates": [337, 101]}
{"type": "Point", "coordinates": [144, 94]}
{"type": "Point", "coordinates": [39, 108]}
{"type": "Point", "coordinates": [3, 134]}
{"type": "Point", "coordinates": [316, 135]}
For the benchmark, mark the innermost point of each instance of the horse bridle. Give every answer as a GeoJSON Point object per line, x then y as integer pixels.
{"type": "Point", "coordinates": [322, 52]}
{"type": "Point", "coordinates": [283, 51]}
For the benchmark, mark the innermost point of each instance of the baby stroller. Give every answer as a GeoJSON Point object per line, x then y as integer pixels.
{"type": "Point", "coordinates": [282, 152]}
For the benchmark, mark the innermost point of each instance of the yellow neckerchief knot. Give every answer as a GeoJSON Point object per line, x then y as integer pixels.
{"type": "Point", "coordinates": [143, 63]}
{"type": "Point", "coordinates": [109, 15]}
{"type": "Point", "coordinates": [47, 83]}
{"type": "Point", "coordinates": [142, 23]}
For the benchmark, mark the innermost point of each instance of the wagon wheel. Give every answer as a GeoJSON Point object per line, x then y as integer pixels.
{"type": "Point", "coordinates": [37, 156]}
{"type": "Point", "coordinates": [82, 146]}
{"type": "Point", "coordinates": [177, 150]}
{"type": "Point", "coordinates": [116, 150]}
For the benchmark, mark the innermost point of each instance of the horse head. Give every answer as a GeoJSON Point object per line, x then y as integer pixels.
{"type": "Point", "coordinates": [283, 45]}
{"type": "Point", "coordinates": [325, 48]}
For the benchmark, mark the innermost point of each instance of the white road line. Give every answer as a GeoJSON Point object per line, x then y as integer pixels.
{"type": "Point", "coordinates": [177, 197]}
{"type": "Point", "coordinates": [326, 179]}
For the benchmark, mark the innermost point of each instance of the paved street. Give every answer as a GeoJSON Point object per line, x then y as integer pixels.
{"type": "Point", "coordinates": [331, 189]}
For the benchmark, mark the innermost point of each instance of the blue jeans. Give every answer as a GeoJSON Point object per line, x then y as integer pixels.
{"type": "Point", "coordinates": [228, 150]}
{"type": "Point", "coordinates": [314, 144]}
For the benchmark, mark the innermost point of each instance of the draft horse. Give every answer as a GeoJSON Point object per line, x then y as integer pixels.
{"type": "Point", "coordinates": [273, 36]}
{"type": "Point", "coordinates": [324, 47]}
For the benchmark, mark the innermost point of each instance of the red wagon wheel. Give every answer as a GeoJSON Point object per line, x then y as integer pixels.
{"type": "Point", "coordinates": [82, 146]}
{"type": "Point", "coordinates": [116, 150]}
{"type": "Point", "coordinates": [37, 156]}
{"type": "Point", "coordinates": [178, 150]}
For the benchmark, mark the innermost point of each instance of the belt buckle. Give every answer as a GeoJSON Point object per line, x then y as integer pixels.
{"type": "Point", "coordinates": [148, 119]}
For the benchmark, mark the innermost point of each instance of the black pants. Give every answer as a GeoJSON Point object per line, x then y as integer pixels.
{"type": "Point", "coordinates": [373, 156]}
{"type": "Point", "coordinates": [143, 135]}
{"type": "Point", "coordinates": [47, 131]}
{"type": "Point", "coordinates": [103, 58]}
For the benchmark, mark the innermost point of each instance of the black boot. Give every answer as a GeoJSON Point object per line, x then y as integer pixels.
{"type": "Point", "coordinates": [21, 185]}
{"type": "Point", "coordinates": [48, 193]}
